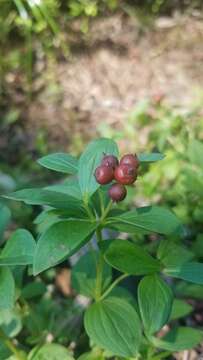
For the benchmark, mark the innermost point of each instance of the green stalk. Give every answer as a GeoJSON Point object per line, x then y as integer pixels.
{"type": "Point", "coordinates": [101, 202]}
{"type": "Point", "coordinates": [106, 211]}
{"type": "Point", "coordinates": [112, 286]}
{"type": "Point", "coordinates": [100, 264]}
{"type": "Point", "coordinates": [9, 344]}
{"type": "Point", "coordinates": [99, 271]}
{"type": "Point", "coordinates": [87, 208]}
{"type": "Point", "coordinates": [162, 355]}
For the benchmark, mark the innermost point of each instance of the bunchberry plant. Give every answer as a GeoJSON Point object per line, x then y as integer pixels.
{"type": "Point", "coordinates": [119, 325]}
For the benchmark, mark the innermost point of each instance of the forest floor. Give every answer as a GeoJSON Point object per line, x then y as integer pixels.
{"type": "Point", "coordinates": [118, 63]}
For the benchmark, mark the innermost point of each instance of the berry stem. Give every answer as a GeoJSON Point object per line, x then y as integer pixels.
{"type": "Point", "coordinates": [106, 211]}
{"type": "Point", "coordinates": [101, 202]}
{"type": "Point", "coordinates": [87, 208]}
{"type": "Point", "coordinates": [9, 344]}
{"type": "Point", "coordinates": [99, 270]}
{"type": "Point", "coordinates": [112, 286]}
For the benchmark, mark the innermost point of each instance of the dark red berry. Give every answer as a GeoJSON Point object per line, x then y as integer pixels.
{"type": "Point", "coordinates": [117, 192]}
{"type": "Point", "coordinates": [104, 174]}
{"type": "Point", "coordinates": [125, 174]}
{"type": "Point", "coordinates": [131, 160]}
{"type": "Point", "coordinates": [110, 160]}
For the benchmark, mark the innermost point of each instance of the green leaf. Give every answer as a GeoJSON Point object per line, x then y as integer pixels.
{"type": "Point", "coordinates": [51, 198]}
{"type": "Point", "coordinates": [180, 309]}
{"type": "Point", "coordinates": [7, 288]}
{"type": "Point", "coordinates": [193, 181]}
{"type": "Point", "coordinates": [130, 258]}
{"type": "Point", "coordinates": [61, 162]}
{"type": "Point", "coordinates": [195, 151]}
{"type": "Point", "coordinates": [88, 162]}
{"type": "Point", "coordinates": [197, 245]}
{"type": "Point", "coordinates": [47, 218]}
{"type": "Point", "coordinates": [5, 217]}
{"type": "Point", "coordinates": [146, 219]}
{"type": "Point", "coordinates": [194, 291]}
{"type": "Point", "coordinates": [155, 300]}
{"type": "Point", "coordinates": [113, 324]}
{"type": "Point", "coordinates": [19, 249]}
{"type": "Point", "coordinates": [190, 271]}
{"type": "Point", "coordinates": [61, 240]}
{"type": "Point", "coordinates": [122, 293]}
{"type": "Point", "coordinates": [152, 157]}
{"type": "Point", "coordinates": [4, 352]}
{"type": "Point", "coordinates": [69, 187]}
{"type": "Point", "coordinates": [51, 352]}
{"type": "Point", "coordinates": [171, 254]}
{"type": "Point", "coordinates": [91, 356]}
{"type": "Point", "coordinates": [178, 339]}
{"type": "Point", "coordinates": [10, 322]}
{"type": "Point", "coordinates": [33, 289]}
{"type": "Point", "coordinates": [84, 274]}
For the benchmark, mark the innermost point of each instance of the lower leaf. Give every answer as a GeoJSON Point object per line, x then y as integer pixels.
{"type": "Point", "coordinates": [190, 271]}
{"type": "Point", "coordinates": [181, 338]}
{"type": "Point", "coordinates": [61, 240]}
{"type": "Point", "coordinates": [7, 288]}
{"type": "Point", "coordinates": [114, 325]}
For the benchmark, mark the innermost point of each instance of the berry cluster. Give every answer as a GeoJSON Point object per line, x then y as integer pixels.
{"type": "Point", "coordinates": [124, 172]}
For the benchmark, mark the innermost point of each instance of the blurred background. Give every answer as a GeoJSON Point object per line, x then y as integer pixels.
{"type": "Point", "coordinates": [73, 70]}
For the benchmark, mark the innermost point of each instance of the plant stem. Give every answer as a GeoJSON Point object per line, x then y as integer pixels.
{"type": "Point", "coordinates": [100, 264]}
{"type": "Point", "coordinates": [9, 344]}
{"type": "Point", "coordinates": [106, 211]}
{"type": "Point", "coordinates": [112, 286]}
{"type": "Point", "coordinates": [101, 202]}
{"type": "Point", "coordinates": [162, 355]}
{"type": "Point", "coordinates": [89, 212]}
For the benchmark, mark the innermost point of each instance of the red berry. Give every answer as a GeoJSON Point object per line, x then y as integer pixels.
{"type": "Point", "coordinates": [104, 174]}
{"type": "Point", "coordinates": [117, 192]}
{"type": "Point", "coordinates": [110, 160]}
{"type": "Point", "coordinates": [131, 160]}
{"type": "Point", "coordinates": [125, 174]}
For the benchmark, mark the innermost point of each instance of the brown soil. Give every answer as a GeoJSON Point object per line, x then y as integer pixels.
{"type": "Point", "coordinates": [119, 63]}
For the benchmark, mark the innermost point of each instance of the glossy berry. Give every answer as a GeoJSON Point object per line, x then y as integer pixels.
{"type": "Point", "coordinates": [117, 192]}
{"type": "Point", "coordinates": [104, 174]}
{"type": "Point", "coordinates": [110, 160]}
{"type": "Point", "coordinates": [131, 160]}
{"type": "Point", "coordinates": [125, 174]}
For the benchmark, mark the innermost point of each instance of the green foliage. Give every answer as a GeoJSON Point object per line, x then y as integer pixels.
{"type": "Point", "coordinates": [114, 325]}
{"type": "Point", "coordinates": [155, 302]}
{"type": "Point", "coordinates": [5, 216]}
{"type": "Point", "coordinates": [179, 339]}
{"type": "Point", "coordinates": [19, 249]}
{"type": "Point", "coordinates": [180, 309]}
{"type": "Point", "coordinates": [145, 220]}
{"type": "Point", "coordinates": [61, 162]}
{"type": "Point", "coordinates": [131, 258]}
{"type": "Point", "coordinates": [84, 275]}
{"type": "Point", "coordinates": [7, 288]}
{"type": "Point", "coordinates": [72, 213]}
{"type": "Point", "coordinates": [11, 322]}
{"type": "Point", "coordinates": [150, 157]}
{"type": "Point", "coordinates": [61, 240]}
{"type": "Point", "coordinates": [172, 254]}
{"type": "Point", "coordinates": [190, 271]}
{"type": "Point", "coordinates": [54, 199]}
{"type": "Point", "coordinates": [50, 351]}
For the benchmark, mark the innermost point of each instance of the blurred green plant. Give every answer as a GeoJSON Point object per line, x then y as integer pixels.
{"type": "Point", "coordinates": [30, 27]}
{"type": "Point", "coordinates": [34, 28]}
{"type": "Point", "coordinates": [175, 133]}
